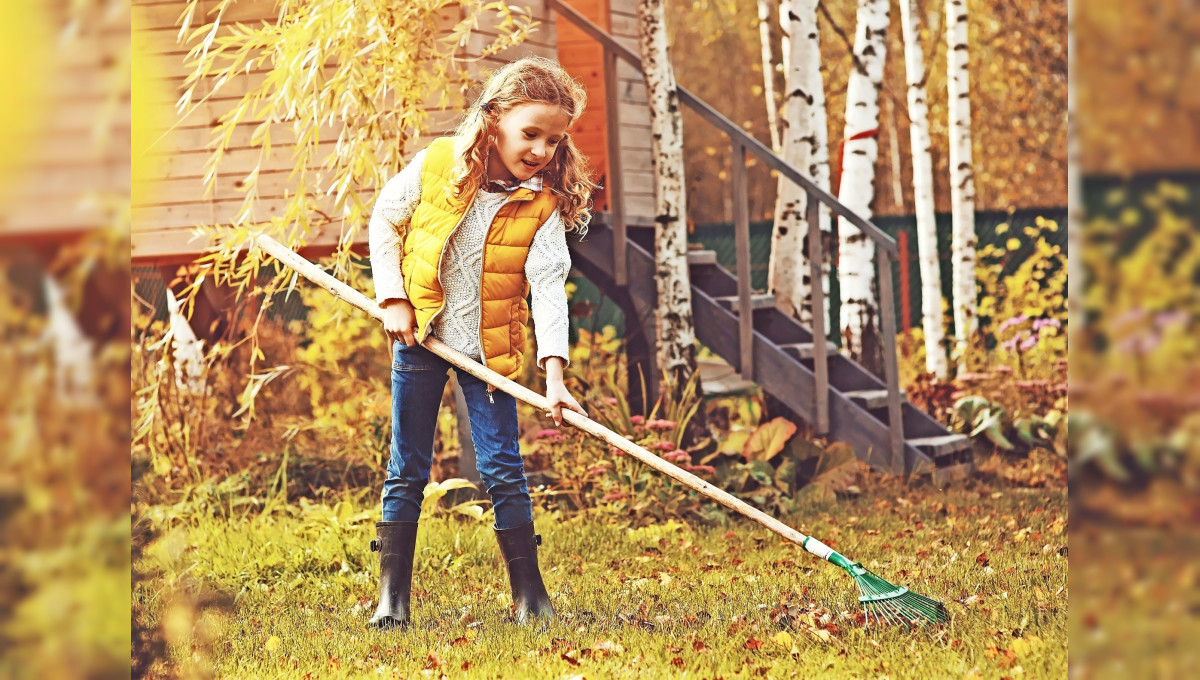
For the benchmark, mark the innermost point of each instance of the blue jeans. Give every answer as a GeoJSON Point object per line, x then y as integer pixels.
{"type": "Point", "coordinates": [418, 379]}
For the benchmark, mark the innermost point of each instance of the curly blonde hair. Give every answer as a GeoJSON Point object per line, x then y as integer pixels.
{"type": "Point", "coordinates": [531, 79]}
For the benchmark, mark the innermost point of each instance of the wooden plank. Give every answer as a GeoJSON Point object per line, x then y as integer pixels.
{"type": "Point", "coordinates": [887, 324]}
{"type": "Point", "coordinates": [940, 445]}
{"type": "Point", "coordinates": [171, 243]}
{"type": "Point", "coordinates": [147, 218]}
{"type": "Point", "coordinates": [806, 350]}
{"type": "Point", "coordinates": [741, 226]}
{"type": "Point", "coordinates": [639, 208]}
{"type": "Point", "coordinates": [869, 399]}
{"type": "Point", "coordinates": [623, 24]}
{"type": "Point", "coordinates": [757, 301]}
{"type": "Point", "coordinates": [615, 176]}
{"type": "Point", "coordinates": [944, 475]}
{"type": "Point", "coordinates": [634, 113]}
{"type": "Point", "coordinates": [71, 212]}
{"type": "Point", "coordinates": [816, 261]}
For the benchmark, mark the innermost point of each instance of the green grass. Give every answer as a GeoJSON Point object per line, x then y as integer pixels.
{"type": "Point", "coordinates": [669, 600]}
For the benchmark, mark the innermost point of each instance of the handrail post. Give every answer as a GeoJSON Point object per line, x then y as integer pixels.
{"type": "Point", "coordinates": [616, 195]}
{"type": "Point", "coordinates": [741, 212]}
{"type": "Point", "coordinates": [820, 353]}
{"type": "Point", "coordinates": [887, 325]}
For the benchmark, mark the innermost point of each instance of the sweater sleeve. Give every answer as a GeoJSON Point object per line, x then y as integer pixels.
{"type": "Point", "coordinates": [546, 269]}
{"type": "Point", "coordinates": [389, 223]}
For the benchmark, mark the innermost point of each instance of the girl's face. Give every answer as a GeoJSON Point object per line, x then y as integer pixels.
{"type": "Point", "coordinates": [527, 136]}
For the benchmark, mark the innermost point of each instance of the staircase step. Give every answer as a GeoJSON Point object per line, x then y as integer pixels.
{"type": "Point", "coordinates": [757, 301]}
{"type": "Point", "coordinates": [870, 399]}
{"type": "Point", "coordinates": [941, 445]}
{"type": "Point", "coordinates": [952, 472]}
{"type": "Point", "coordinates": [806, 350]}
{"type": "Point", "coordinates": [699, 257]}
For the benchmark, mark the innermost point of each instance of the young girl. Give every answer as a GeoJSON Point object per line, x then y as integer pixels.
{"type": "Point", "coordinates": [458, 239]}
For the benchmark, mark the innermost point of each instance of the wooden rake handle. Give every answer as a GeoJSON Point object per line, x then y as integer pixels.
{"type": "Point", "coordinates": [340, 290]}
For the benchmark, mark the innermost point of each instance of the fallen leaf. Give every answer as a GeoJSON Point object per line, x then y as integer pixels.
{"type": "Point", "coordinates": [769, 439]}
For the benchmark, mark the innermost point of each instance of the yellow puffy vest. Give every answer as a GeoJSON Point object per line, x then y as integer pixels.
{"type": "Point", "coordinates": [503, 310]}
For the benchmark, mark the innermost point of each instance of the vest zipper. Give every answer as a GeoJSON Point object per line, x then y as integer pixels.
{"type": "Point", "coordinates": [482, 268]}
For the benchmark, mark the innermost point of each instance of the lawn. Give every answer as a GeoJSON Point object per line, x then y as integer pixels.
{"type": "Point", "coordinates": [669, 600]}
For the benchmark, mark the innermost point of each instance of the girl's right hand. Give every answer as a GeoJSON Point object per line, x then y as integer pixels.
{"type": "Point", "coordinates": [400, 321]}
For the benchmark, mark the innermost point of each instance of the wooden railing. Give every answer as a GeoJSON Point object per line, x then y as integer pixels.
{"type": "Point", "coordinates": [886, 251]}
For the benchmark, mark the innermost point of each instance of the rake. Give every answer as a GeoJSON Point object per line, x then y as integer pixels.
{"type": "Point", "coordinates": [887, 603]}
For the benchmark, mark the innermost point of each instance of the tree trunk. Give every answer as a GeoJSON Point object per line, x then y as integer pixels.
{"type": "Point", "coordinates": [768, 67]}
{"type": "Point", "coordinates": [1075, 273]}
{"type": "Point", "coordinates": [927, 245]}
{"type": "Point", "coordinates": [856, 258]}
{"type": "Point", "coordinates": [805, 147]}
{"type": "Point", "coordinates": [676, 333]}
{"type": "Point", "coordinates": [962, 178]}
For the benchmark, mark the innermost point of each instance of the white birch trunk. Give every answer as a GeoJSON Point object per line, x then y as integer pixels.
{"type": "Point", "coordinates": [927, 245]}
{"type": "Point", "coordinates": [856, 269]}
{"type": "Point", "coordinates": [805, 147]}
{"type": "Point", "coordinates": [676, 332]}
{"type": "Point", "coordinates": [768, 67]}
{"type": "Point", "coordinates": [1075, 276]}
{"type": "Point", "coordinates": [962, 177]}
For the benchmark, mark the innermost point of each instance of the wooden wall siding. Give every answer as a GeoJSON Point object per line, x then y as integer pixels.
{"type": "Point", "coordinates": [77, 174]}
{"type": "Point", "coordinates": [163, 224]}
{"type": "Point", "coordinates": [634, 112]}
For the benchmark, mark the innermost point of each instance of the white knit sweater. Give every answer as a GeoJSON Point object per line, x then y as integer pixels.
{"type": "Point", "coordinates": [546, 268]}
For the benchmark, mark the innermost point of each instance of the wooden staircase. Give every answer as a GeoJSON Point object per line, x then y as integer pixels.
{"type": "Point", "coordinates": [783, 358]}
{"type": "Point", "coordinates": [793, 363]}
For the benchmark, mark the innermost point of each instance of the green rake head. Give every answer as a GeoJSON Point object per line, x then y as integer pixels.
{"type": "Point", "coordinates": [894, 604]}
{"type": "Point", "coordinates": [887, 602]}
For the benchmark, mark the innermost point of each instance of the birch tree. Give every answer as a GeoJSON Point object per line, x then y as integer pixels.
{"type": "Point", "coordinates": [856, 266]}
{"type": "Point", "coordinates": [805, 146]}
{"type": "Point", "coordinates": [927, 243]}
{"type": "Point", "coordinates": [676, 332]}
{"type": "Point", "coordinates": [962, 177]}
{"type": "Point", "coordinates": [768, 67]}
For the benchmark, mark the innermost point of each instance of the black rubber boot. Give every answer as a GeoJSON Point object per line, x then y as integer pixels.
{"type": "Point", "coordinates": [395, 544]}
{"type": "Point", "coordinates": [518, 546]}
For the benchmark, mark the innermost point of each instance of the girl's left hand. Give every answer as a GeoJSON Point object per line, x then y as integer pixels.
{"type": "Point", "coordinates": [560, 398]}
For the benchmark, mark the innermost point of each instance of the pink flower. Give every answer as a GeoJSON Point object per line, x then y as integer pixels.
{"type": "Point", "coordinates": [1015, 321]}
{"type": "Point", "coordinates": [615, 451]}
{"type": "Point", "coordinates": [614, 496]}
{"type": "Point", "coordinates": [972, 377]}
{"type": "Point", "coordinates": [700, 469]}
{"type": "Point", "coordinates": [611, 401]}
{"type": "Point", "coordinates": [599, 469]}
{"type": "Point", "coordinates": [637, 420]}
{"type": "Point", "coordinates": [677, 457]}
{"type": "Point", "coordinates": [546, 434]}
{"type": "Point", "coordinates": [662, 425]}
{"type": "Point", "coordinates": [662, 446]}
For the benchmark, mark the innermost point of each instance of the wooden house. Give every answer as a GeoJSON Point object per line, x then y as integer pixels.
{"type": "Point", "coordinates": [165, 214]}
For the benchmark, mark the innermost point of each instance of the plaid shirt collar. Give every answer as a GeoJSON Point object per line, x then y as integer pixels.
{"type": "Point", "coordinates": [533, 183]}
